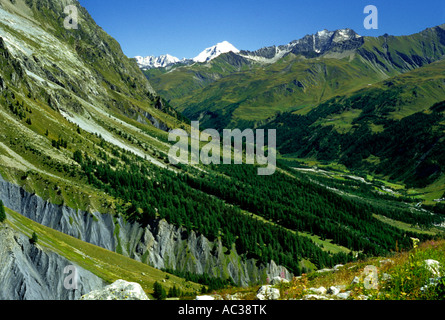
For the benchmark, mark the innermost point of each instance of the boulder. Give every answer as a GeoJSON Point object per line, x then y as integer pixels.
{"type": "Point", "coordinates": [341, 287]}
{"type": "Point", "coordinates": [433, 266]}
{"type": "Point", "coordinates": [236, 296]}
{"type": "Point", "coordinates": [268, 293]}
{"type": "Point", "coordinates": [333, 290]}
{"type": "Point", "coordinates": [338, 266]}
{"type": "Point", "coordinates": [385, 262]}
{"type": "Point", "coordinates": [119, 290]}
{"type": "Point", "coordinates": [386, 277]}
{"type": "Point", "coordinates": [356, 280]}
{"type": "Point", "coordinates": [204, 298]}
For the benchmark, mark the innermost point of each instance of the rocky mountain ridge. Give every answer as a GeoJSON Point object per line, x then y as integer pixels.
{"type": "Point", "coordinates": [315, 44]}
{"type": "Point", "coordinates": [309, 45]}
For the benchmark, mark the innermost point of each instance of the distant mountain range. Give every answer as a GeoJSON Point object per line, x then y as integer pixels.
{"type": "Point", "coordinates": [166, 60]}
{"type": "Point", "coordinates": [332, 85]}
{"type": "Point", "coordinates": [297, 75]}
{"type": "Point", "coordinates": [319, 43]}
{"type": "Point", "coordinates": [156, 62]}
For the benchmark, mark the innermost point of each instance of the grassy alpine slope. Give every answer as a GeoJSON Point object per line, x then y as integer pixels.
{"type": "Point", "coordinates": [393, 129]}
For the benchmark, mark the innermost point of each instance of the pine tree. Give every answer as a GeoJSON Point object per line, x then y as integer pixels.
{"type": "Point", "coordinates": [159, 292]}
{"type": "Point", "coordinates": [34, 238]}
{"type": "Point", "coordinates": [77, 156]}
{"type": "Point", "coordinates": [174, 292]}
{"type": "Point", "coordinates": [2, 212]}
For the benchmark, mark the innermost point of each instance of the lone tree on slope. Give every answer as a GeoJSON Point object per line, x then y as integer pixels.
{"type": "Point", "coordinates": [2, 212]}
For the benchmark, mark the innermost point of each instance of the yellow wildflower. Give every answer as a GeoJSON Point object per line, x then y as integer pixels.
{"type": "Point", "coordinates": [415, 242]}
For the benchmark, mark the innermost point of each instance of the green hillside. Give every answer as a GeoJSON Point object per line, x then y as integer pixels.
{"type": "Point", "coordinates": [393, 129]}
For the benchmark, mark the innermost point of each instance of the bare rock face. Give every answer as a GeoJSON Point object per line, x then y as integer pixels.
{"type": "Point", "coordinates": [29, 272]}
{"type": "Point", "coordinates": [119, 290]}
{"type": "Point", "coordinates": [319, 43]}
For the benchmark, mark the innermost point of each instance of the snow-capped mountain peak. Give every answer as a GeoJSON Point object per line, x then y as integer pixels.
{"type": "Point", "coordinates": [215, 51]}
{"type": "Point", "coordinates": [166, 60]}
{"type": "Point", "coordinates": [319, 43]}
{"type": "Point", "coordinates": [156, 62]}
{"type": "Point", "coordinates": [344, 35]}
{"type": "Point", "coordinates": [324, 34]}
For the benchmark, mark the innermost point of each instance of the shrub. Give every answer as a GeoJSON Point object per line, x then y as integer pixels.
{"type": "Point", "coordinates": [34, 238]}
{"type": "Point", "coordinates": [77, 156]}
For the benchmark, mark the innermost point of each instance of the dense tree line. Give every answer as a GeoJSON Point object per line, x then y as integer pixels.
{"type": "Point", "coordinates": [262, 216]}
{"type": "Point", "coordinates": [300, 205]}
{"type": "Point", "coordinates": [157, 193]}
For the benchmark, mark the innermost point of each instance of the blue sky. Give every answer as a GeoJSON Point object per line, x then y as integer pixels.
{"type": "Point", "coordinates": [184, 28]}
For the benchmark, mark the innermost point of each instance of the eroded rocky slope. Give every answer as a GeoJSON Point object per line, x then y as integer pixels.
{"type": "Point", "coordinates": [29, 272]}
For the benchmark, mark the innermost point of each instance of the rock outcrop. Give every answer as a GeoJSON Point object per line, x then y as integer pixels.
{"type": "Point", "coordinates": [160, 244]}
{"type": "Point", "coordinates": [29, 272]}
{"type": "Point", "coordinates": [119, 290]}
{"type": "Point", "coordinates": [267, 292]}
